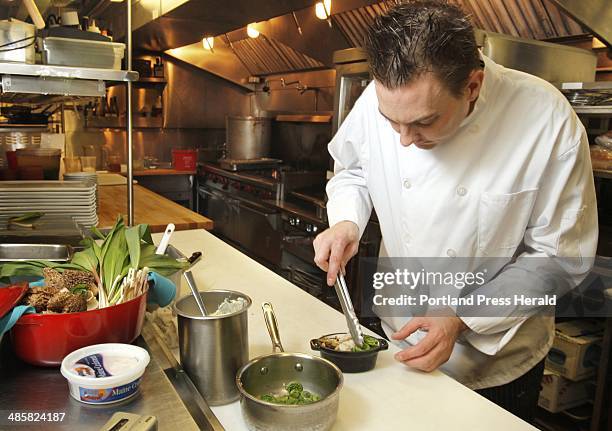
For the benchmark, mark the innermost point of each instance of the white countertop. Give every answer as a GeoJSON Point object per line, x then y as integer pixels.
{"type": "Point", "coordinates": [391, 396]}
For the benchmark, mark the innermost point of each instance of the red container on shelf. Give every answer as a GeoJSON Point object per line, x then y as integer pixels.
{"type": "Point", "coordinates": [45, 339]}
{"type": "Point", "coordinates": [184, 160]}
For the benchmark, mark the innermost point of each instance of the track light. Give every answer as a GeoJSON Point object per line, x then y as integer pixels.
{"type": "Point", "coordinates": [252, 32]}
{"type": "Point", "coordinates": [208, 43]}
{"type": "Point", "coordinates": [323, 9]}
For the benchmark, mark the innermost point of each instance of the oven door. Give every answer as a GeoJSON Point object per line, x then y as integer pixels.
{"type": "Point", "coordinates": [220, 208]}
{"type": "Point", "coordinates": [258, 230]}
{"type": "Point", "coordinates": [298, 267]}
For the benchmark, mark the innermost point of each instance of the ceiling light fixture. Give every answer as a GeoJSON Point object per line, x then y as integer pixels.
{"type": "Point", "coordinates": [323, 9]}
{"type": "Point", "coordinates": [252, 31]}
{"type": "Point", "coordinates": [208, 43]}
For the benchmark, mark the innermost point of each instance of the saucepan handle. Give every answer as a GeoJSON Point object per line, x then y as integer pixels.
{"type": "Point", "coordinates": [272, 326]}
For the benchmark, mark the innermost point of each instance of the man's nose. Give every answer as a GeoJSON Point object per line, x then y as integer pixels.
{"type": "Point", "coordinates": [407, 135]}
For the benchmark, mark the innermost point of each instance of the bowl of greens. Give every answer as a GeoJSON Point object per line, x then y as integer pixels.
{"type": "Point", "coordinates": [340, 349]}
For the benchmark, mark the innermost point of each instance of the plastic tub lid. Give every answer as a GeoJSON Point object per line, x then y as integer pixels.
{"type": "Point", "coordinates": [105, 365]}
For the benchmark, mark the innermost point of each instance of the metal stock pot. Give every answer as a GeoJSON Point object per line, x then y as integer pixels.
{"type": "Point", "coordinates": [247, 137]}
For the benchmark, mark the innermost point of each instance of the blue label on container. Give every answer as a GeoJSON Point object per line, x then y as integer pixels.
{"type": "Point", "coordinates": [91, 366]}
{"type": "Point", "coordinates": [100, 396]}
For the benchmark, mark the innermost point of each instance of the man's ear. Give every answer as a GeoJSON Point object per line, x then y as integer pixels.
{"type": "Point", "coordinates": [475, 84]}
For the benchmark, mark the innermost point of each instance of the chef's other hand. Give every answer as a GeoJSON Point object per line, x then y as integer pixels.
{"type": "Point", "coordinates": [436, 347]}
{"type": "Point", "coordinates": [334, 247]}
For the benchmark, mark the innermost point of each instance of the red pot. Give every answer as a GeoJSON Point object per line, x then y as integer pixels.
{"type": "Point", "coordinates": [45, 339]}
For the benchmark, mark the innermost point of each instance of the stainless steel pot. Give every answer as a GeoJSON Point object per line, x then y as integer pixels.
{"type": "Point", "coordinates": [247, 137]}
{"type": "Point", "coordinates": [269, 374]}
{"type": "Point", "coordinates": [213, 348]}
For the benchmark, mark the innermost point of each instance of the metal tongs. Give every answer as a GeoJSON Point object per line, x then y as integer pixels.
{"type": "Point", "coordinates": [348, 310]}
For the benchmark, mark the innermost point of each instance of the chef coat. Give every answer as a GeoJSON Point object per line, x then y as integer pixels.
{"type": "Point", "coordinates": [517, 173]}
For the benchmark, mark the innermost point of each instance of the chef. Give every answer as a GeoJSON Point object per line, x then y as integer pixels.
{"type": "Point", "coordinates": [461, 157]}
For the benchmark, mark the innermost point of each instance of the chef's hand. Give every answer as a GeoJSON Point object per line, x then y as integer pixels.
{"type": "Point", "coordinates": [334, 247]}
{"type": "Point", "coordinates": [437, 346]}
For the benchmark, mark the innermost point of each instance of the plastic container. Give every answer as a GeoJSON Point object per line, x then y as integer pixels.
{"type": "Point", "coordinates": [184, 160]}
{"type": "Point", "coordinates": [72, 164]}
{"type": "Point", "coordinates": [45, 339]}
{"type": "Point", "coordinates": [88, 163]}
{"type": "Point", "coordinates": [48, 159]}
{"type": "Point", "coordinates": [82, 53]}
{"type": "Point", "coordinates": [17, 38]}
{"type": "Point", "coordinates": [114, 163]}
{"type": "Point", "coordinates": [105, 373]}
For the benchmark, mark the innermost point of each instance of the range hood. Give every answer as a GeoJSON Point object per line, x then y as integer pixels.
{"type": "Point", "coordinates": [594, 14]}
{"type": "Point", "coordinates": [293, 39]}
{"type": "Point", "coordinates": [166, 24]}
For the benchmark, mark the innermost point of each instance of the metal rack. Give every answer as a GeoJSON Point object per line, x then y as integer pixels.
{"type": "Point", "coordinates": [38, 83]}
{"type": "Point", "coordinates": [589, 98]}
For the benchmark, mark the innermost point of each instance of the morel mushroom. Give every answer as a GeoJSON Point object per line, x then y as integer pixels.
{"type": "Point", "coordinates": [38, 297]}
{"type": "Point", "coordinates": [66, 302]}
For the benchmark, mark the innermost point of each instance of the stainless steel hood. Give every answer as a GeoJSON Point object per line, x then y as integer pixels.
{"type": "Point", "coordinates": [293, 39]}
{"type": "Point", "coordinates": [166, 24]}
{"type": "Point", "coordinates": [594, 14]}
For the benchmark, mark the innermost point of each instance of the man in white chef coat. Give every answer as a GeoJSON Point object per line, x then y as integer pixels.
{"type": "Point", "coordinates": [461, 157]}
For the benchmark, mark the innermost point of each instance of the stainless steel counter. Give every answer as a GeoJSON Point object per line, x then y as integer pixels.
{"type": "Point", "coordinates": [166, 392]}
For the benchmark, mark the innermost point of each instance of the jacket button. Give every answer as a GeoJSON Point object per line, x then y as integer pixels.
{"type": "Point", "coordinates": [407, 184]}
{"type": "Point", "coordinates": [461, 191]}
{"type": "Point", "coordinates": [451, 253]}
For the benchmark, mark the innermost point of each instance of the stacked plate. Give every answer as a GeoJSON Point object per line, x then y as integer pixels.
{"type": "Point", "coordinates": [75, 199]}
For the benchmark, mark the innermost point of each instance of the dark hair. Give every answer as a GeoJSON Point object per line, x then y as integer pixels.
{"type": "Point", "coordinates": [417, 37]}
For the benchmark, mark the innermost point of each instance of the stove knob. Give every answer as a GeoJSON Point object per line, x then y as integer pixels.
{"type": "Point", "coordinates": [310, 228]}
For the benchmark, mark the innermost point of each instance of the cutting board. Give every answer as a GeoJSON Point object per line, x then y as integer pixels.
{"type": "Point", "coordinates": [111, 179]}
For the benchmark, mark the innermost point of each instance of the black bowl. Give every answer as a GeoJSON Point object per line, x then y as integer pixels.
{"type": "Point", "coordinates": [349, 362]}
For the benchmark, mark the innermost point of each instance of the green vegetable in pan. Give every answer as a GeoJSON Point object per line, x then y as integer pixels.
{"type": "Point", "coordinates": [294, 386]}
{"type": "Point", "coordinates": [369, 343]}
{"type": "Point", "coordinates": [293, 394]}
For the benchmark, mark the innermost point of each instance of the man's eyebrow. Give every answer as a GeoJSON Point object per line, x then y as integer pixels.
{"type": "Point", "coordinates": [418, 120]}
{"type": "Point", "coordinates": [381, 113]}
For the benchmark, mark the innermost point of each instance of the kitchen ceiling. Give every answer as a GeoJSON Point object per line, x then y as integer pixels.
{"type": "Point", "coordinates": [530, 19]}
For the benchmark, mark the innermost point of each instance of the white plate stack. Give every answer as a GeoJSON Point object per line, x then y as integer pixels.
{"type": "Point", "coordinates": [75, 199]}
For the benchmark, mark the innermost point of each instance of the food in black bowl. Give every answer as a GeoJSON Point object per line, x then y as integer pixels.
{"type": "Point", "coordinates": [340, 349]}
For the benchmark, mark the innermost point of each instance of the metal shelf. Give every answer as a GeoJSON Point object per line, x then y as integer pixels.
{"type": "Point", "coordinates": [39, 83]}
{"type": "Point", "coordinates": [602, 173]}
{"type": "Point", "coordinates": [66, 72]}
{"type": "Point", "coordinates": [593, 110]}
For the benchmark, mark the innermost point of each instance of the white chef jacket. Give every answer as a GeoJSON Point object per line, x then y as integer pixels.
{"type": "Point", "coordinates": [516, 173]}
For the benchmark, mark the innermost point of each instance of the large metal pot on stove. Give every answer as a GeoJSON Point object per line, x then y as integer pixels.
{"type": "Point", "coordinates": [247, 137]}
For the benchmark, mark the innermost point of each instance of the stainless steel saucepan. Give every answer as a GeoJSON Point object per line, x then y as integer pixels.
{"type": "Point", "coordinates": [270, 373]}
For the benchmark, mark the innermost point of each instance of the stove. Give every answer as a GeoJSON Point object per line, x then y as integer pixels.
{"type": "Point", "coordinates": [249, 164]}
{"type": "Point", "coordinates": [272, 213]}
